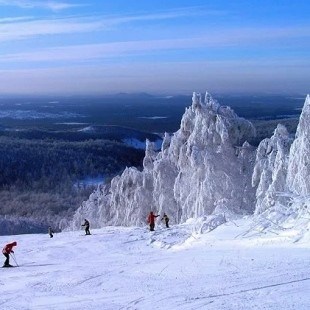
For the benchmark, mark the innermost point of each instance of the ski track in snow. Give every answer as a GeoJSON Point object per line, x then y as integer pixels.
{"type": "Point", "coordinates": [132, 268]}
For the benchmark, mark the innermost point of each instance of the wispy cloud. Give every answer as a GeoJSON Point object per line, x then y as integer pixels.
{"type": "Point", "coordinates": [228, 38]}
{"type": "Point", "coordinates": [168, 14]}
{"type": "Point", "coordinates": [29, 4]}
{"type": "Point", "coordinates": [27, 29]}
{"type": "Point", "coordinates": [21, 28]}
{"type": "Point", "coordinates": [18, 28]}
{"type": "Point", "coordinates": [15, 19]}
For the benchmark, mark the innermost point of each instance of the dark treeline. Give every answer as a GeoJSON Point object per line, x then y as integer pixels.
{"type": "Point", "coordinates": [46, 164]}
{"type": "Point", "coordinates": [109, 133]}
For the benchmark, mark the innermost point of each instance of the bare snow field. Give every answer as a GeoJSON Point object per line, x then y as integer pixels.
{"type": "Point", "coordinates": [132, 268]}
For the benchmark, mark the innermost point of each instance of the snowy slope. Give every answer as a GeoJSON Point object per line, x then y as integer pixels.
{"type": "Point", "coordinates": [232, 267]}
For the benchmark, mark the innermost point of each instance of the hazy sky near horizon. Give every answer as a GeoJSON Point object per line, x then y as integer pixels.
{"type": "Point", "coordinates": [175, 46]}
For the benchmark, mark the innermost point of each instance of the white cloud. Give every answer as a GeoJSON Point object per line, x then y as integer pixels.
{"type": "Point", "coordinates": [218, 39]}
{"type": "Point", "coordinates": [28, 4]}
{"type": "Point", "coordinates": [169, 14]}
{"type": "Point", "coordinates": [28, 29]}
{"type": "Point", "coordinates": [15, 19]}
{"type": "Point", "coordinates": [17, 28]}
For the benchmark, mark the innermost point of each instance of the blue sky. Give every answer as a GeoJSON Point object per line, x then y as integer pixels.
{"type": "Point", "coordinates": [175, 46]}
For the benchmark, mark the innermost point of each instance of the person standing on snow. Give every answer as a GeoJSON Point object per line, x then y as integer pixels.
{"type": "Point", "coordinates": [166, 219]}
{"type": "Point", "coordinates": [7, 250]}
{"type": "Point", "coordinates": [151, 220]}
{"type": "Point", "coordinates": [50, 231]}
{"type": "Point", "coordinates": [86, 224]}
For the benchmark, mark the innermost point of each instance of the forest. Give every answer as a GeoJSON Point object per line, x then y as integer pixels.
{"type": "Point", "coordinates": [38, 177]}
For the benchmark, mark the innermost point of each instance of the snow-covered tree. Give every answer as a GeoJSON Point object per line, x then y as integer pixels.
{"type": "Point", "coordinates": [205, 167]}
{"type": "Point", "coordinates": [270, 169]}
{"type": "Point", "coordinates": [299, 158]}
{"type": "Point", "coordinates": [281, 175]}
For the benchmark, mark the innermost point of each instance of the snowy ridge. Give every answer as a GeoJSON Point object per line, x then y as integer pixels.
{"type": "Point", "coordinates": [205, 167]}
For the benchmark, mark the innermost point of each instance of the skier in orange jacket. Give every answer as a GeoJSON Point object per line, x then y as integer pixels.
{"type": "Point", "coordinates": [151, 220]}
{"type": "Point", "coordinates": [7, 250]}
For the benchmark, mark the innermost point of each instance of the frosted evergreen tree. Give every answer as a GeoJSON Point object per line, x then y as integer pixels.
{"type": "Point", "coordinates": [203, 168]}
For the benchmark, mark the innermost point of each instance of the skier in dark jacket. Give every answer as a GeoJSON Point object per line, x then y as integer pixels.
{"type": "Point", "coordinates": [86, 225]}
{"type": "Point", "coordinates": [7, 250]}
{"type": "Point", "coordinates": [50, 231]}
{"type": "Point", "coordinates": [151, 220]}
{"type": "Point", "coordinates": [166, 219]}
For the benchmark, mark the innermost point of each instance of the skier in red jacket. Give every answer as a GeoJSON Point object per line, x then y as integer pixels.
{"type": "Point", "coordinates": [7, 250]}
{"type": "Point", "coordinates": [151, 220]}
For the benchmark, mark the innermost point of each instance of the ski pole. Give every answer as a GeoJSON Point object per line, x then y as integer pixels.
{"type": "Point", "coordinates": [13, 256]}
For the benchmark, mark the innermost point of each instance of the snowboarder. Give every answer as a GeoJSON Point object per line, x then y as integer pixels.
{"type": "Point", "coordinates": [166, 219]}
{"type": "Point", "coordinates": [151, 220]}
{"type": "Point", "coordinates": [7, 250]}
{"type": "Point", "coordinates": [86, 224]}
{"type": "Point", "coordinates": [50, 231]}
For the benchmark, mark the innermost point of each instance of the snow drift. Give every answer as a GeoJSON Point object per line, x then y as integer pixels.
{"type": "Point", "coordinates": [208, 167]}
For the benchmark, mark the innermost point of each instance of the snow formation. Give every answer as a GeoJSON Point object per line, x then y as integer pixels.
{"type": "Point", "coordinates": [208, 168]}
{"type": "Point", "coordinates": [270, 169]}
{"type": "Point", "coordinates": [205, 167]}
{"type": "Point", "coordinates": [281, 175]}
{"type": "Point", "coordinates": [299, 159]}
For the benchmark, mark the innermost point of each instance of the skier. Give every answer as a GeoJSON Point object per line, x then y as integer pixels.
{"type": "Point", "coordinates": [86, 224]}
{"type": "Point", "coordinates": [166, 219]}
{"type": "Point", "coordinates": [7, 250]}
{"type": "Point", "coordinates": [50, 231]}
{"type": "Point", "coordinates": [151, 220]}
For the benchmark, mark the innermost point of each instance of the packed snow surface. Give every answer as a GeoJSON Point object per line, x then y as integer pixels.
{"type": "Point", "coordinates": [231, 267]}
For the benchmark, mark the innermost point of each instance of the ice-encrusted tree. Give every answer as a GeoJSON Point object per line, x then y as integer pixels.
{"type": "Point", "coordinates": [299, 158]}
{"type": "Point", "coordinates": [204, 167]}
{"type": "Point", "coordinates": [281, 175]}
{"type": "Point", "coordinates": [270, 169]}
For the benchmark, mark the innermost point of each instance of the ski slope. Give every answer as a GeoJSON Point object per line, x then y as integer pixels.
{"type": "Point", "coordinates": [132, 268]}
